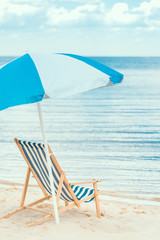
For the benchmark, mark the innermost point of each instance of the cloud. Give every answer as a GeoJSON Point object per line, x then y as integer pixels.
{"type": "Point", "coordinates": [148, 8]}
{"type": "Point", "coordinates": [96, 14]}
{"type": "Point", "coordinates": [13, 8]}
{"type": "Point", "coordinates": [21, 9]}
{"type": "Point", "coordinates": [77, 13]}
{"type": "Point", "coordinates": [120, 15]}
{"type": "Point", "coordinates": [152, 25]}
{"type": "Point", "coordinates": [145, 17]}
{"type": "Point", "coordinates": [81, 1]}
{"type": "Point", "coordinates": [151, 14]}
{"type": "Point", "coordinates": [62, 16]}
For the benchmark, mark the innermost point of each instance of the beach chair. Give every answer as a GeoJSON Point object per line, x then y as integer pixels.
{"type": "Point", "coordinates": [71, 193]}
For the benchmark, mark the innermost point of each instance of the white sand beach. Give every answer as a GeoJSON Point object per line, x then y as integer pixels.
{"type": "Point", "coordinates": [119, 220]}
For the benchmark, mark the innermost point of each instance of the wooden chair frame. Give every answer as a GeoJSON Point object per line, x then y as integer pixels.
{"type": "Point", "coordinates": [68, 205]}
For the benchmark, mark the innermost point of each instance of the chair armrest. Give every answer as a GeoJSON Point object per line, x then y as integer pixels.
{"type": "Point", "coordinates": [93, 181]}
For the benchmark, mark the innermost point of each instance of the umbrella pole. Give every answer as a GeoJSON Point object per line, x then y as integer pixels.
{"type": "Point", "coordinates": [49, 164]}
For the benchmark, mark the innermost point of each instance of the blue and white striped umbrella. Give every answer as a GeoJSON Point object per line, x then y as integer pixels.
{"type": "Point", "coordinates": [34, 77]}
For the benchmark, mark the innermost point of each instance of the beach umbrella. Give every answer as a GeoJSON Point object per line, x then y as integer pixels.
{"type": "Point", "coordinates": [32, 78]}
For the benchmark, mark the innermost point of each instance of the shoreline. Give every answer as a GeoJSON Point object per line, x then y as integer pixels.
{"type": "Point", "coordinates": [114, 196]}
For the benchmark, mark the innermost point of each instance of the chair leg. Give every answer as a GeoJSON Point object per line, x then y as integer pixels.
{"type": "Point", "coordinates": [96, 199]}
{"type": "Point", "coordinates": [66, 203]}
{"type": "Point", "coordinates": [60, 187]}
{"type": "Point", "coordinates": [13, 213]}
{"type": "Point", "coordinates": [40, 221]}
{"type": "Point", "coordinates": [25, 187]}
{"type": "Point", "coordinates": [24, 208]}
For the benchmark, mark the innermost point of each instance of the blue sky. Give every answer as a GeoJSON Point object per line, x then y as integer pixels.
{"type": "Point", "coordinates": [93, 27]}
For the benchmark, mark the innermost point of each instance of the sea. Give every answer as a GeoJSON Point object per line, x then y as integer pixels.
{"type": "Point", "coordinates": [111, 134]}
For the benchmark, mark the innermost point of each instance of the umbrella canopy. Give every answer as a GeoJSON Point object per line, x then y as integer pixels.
{"type": "Point", "coordinates": [33, 77]}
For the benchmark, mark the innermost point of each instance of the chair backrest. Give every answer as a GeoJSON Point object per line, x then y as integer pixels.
{"type": "Point", "coordinates": [36, 159]}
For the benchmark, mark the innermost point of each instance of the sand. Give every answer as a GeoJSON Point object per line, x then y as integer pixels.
{"type": "Point", "coordinates": [119, 221]}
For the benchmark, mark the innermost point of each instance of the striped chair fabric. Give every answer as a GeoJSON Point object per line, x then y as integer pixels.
{"type": "Point", "coordinates": [35, 154]}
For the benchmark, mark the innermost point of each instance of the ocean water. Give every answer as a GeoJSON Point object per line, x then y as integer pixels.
{"type": "Point", "coordinates": [111, 134]}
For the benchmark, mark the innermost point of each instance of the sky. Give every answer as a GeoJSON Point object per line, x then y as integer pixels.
{"type": "Point", "coordinates": [85, 27]}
